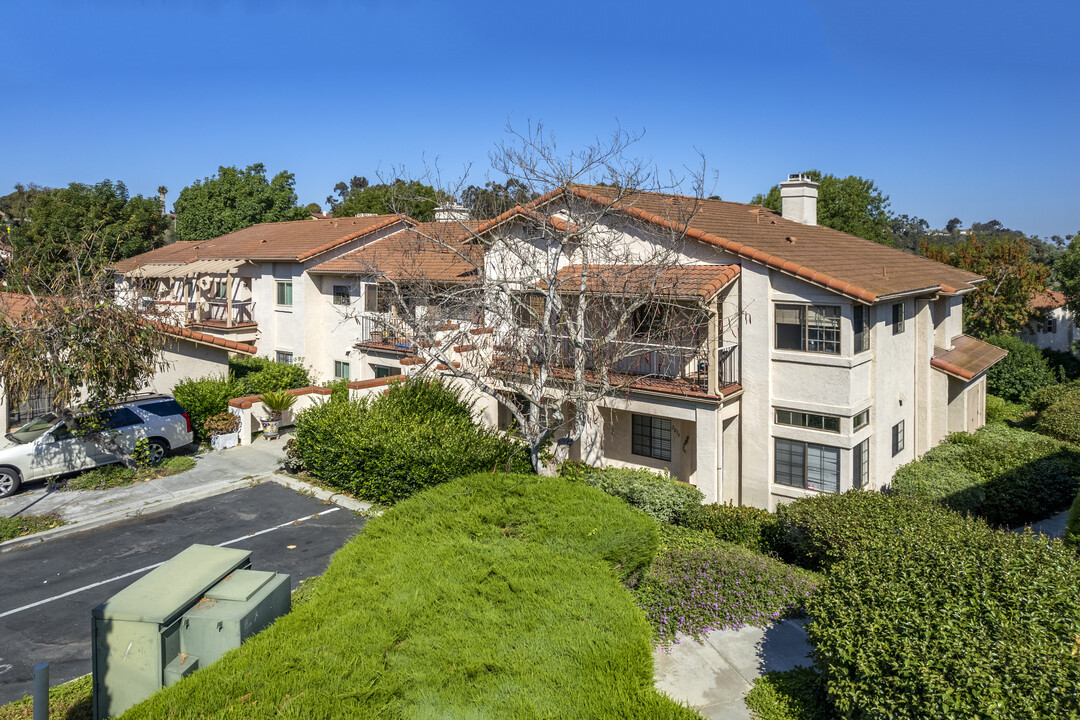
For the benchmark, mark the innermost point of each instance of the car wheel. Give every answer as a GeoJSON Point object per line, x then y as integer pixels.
{"type": "Point", "coordinates": [158, 449]}
{"type": "Point", "coordinates": [9, 481]}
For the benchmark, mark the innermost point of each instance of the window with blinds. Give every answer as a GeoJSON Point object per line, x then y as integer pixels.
{"type": "Point", "coordinates": [807, 465]}
{"type": "Point", "coordinates": [809, 328]}
{"type": "Point", "coordinates": [651, 437]}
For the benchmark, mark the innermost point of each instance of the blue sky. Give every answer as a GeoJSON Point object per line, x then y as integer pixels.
{"type": "Point", "coordinates": [967, 109]}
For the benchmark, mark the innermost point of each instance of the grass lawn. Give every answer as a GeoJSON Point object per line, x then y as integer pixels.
{"type": "Point", "coordinates": [492, 596]}
{"type": "Point", "coordinates": [70, 701]}
{"type": "Point", "coordinates": [11, 528]}
{"type": "Point", "coordinates": [116, 475]}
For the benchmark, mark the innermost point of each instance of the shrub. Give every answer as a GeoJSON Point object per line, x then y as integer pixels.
{"type": "Point", "coordinates": [492, 596]}
{"type": "Point", "coordinates": [951, 619]}
{"type": "Point", "coordinates": [744, 525]}
{"type": "Point", "coordinates": [13, 527]}
{"type": "Point", "coordinates": [796, 694]}
{"type": "Point", "coordinates": [221, 424]}
{"type": "Point", "coordinates": [1052, 393]}
{"type": "Point", "coordinates": [658, 494]}
{"type": "Point", "coordinates": [817, 532]}
{"type": "Point", "coordinates": [1072, 528]}
{"type": "Point", "coordinates": [696, 585]}
{"type": "Point", "coordinates": [419, 434]}
{"type": "Point", "coordinates": [1001, 410]}
{"type": "Point", "coordinates": [273, 377]}
{"type": "Point", "coordinates": [1021, 373]}
{"type": "Point", "coordinates": [1064, 365]}
{"type": "Point", "coordinates": [1062, 419]}
{"type": "Point", "coordinates": [203, 398]}
{"type": "Point", "coordinates": [1005, 475]}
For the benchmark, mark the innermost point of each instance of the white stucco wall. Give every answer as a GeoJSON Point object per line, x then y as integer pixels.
{"type": "Point", "coordinates": [1065, 334]}
{"type": "Point", "coordinates": [185, 360]}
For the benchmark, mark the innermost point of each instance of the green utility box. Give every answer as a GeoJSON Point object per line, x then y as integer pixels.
{"type": "Point", "coordinates": [231, 612]}
{"type": "Point", "coordinates": [137, 634]}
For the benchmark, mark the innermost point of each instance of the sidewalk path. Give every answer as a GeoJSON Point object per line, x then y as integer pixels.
{"type": "Point", "coordinates": [714, 676]}
{"type": "Point", "coordinates": [214, 473]}
{"type": "Point", "coordinates": [1054, 527]}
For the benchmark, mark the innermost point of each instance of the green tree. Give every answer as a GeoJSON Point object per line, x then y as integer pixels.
{"type": "Point", "coordinates": [998, 306]}
{"type": "Point", "coordinates": [853, 205]}
{"type": "Point", "coordinates": [494, 198]}
{"type": "Point", "coordinates": [102, 220]}
{"type": "Point", "coordinates": [1067, 270]}
{"type": "Point", "coordinates": [908, 232]}
{"type": "Point", "coordinates": [413, 199]}
{"type": "Point", "coordinates": [17, 204]}
{"type": "Point", "coordinates": [235, 199]}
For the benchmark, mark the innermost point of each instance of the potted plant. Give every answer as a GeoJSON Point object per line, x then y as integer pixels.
{"type": "Point", "coordinates": [224, 430]}
{"type": "Point", "coordinates": [276, 403]}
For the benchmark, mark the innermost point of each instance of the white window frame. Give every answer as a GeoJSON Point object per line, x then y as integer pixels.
{"type": "Point", "coordinates": [815, 461]}
{"type": "Point", "coordinates": [338, 366]}
{"type": "Point", "coordinates": [280, 354]}
{"type": "Point", "coordinates": [824, 344]}
{"type": "Point", "coordinates": [283, 287]}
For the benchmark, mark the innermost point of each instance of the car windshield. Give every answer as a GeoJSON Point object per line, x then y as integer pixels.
{"type": "Point", "coordinates": [32, 430]}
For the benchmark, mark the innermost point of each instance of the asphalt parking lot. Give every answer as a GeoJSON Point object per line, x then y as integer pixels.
{"type": "Point", "coordinates": [48, 590]}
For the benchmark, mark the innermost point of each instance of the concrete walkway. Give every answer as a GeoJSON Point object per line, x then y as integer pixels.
{"type": "Point", "coordinates": [1054, 527]}
{"type": "Point", "coordinates": [714, 676]}
{"type": "Point", "coordinates": [214, 473]}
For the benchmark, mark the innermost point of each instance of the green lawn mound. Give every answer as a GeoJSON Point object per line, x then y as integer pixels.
{"type": "Point", "coordinates": [492, 596]}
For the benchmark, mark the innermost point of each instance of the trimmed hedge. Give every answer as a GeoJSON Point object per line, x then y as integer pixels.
{"type": "Point", "coordinates": [419, 434]}
{"type": "Point", "coordinates": [744, 525]}
{"type": "Point", "coordinates": [942, 616]}
{"type": "Point", "coordinates": [1053, 393]}
{"type": "Point", "coordinates": [796, 694]}
{"type": "Point", "coordinates": [492, 596]}
{"type": "Point", "coordinates": [657, 494]}
{"type": "Point", "coordinates": [1072, 529]}
{"type": "Point", "coordinates": [817, 532]}
{"type": "Point", "coordinates": [1062, 419]}
{"type": "Point", "coordinates": [1005, 475]}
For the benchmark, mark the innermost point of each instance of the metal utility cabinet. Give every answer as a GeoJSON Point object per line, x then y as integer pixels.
{"type": "Point", "coordinates": [181, 616]}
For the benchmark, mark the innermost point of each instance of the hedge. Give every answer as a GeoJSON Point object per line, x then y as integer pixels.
{"type": "Point", "coordinates": [1062, 419]}
{"type": "Point", "coordinates": [203, 398]}
{"type": "Point", "coordinates": [1005, 475]}
{"type": "Point", "coordinates": [947, 617]}
{"type": "Point", "coordinates": [1072, 528]}
{"type": "Point", "coordinates": [492, 596]}
{"type": "Point", "coordinates": [657, 494]}
{"type": "Point", "coordinates": [744, 525]}
{"type": "Point", "coordinates": [1022, 373]}
{"type": "Point", "coordinates": [419, 434]}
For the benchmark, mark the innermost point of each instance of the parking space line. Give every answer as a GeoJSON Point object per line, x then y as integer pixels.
{"type": "Point", "coordinates": [148, 568]}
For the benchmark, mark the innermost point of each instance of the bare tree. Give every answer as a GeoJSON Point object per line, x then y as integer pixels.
{"type": "Point", "coordinates": [558, 305]}
{"type": "Point", "coordinates": [65, 341]}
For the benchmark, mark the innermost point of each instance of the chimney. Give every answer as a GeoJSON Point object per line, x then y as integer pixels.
{"type": "Point", "coordinates": [798, 197]}
{"type": "Point", "coordinates": [451, 213]}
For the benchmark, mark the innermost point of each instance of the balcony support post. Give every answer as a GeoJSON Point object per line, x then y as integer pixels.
{"type": "Point", "coordinates": [713, 345]}
{"type": "Point", "coordinates": [228, 300]}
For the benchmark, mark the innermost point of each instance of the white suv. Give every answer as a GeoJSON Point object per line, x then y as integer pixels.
{"type": "Point", "coordinates": [45, 447]}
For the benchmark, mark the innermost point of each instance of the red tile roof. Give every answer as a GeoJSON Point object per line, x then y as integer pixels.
{"type": "Point", "coordinates": [296, 241]}
{"type": "Point", "coordinates": [204, 338]}
{"type": "Point", "coordinates": [968, 358]}
{"type": "Point", "coordinates": [1047, 301]}
{"type": "Point", "coordinates": [13, 305]}
{"type": "Point", "coordinates": [434, 251]}
{"type": "Point", "coordinates": [685, 281]}
{"type": "Point", "coordinates": [849, 265]}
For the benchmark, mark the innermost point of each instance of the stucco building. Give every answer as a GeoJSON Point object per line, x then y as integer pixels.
{"type": "Point", "coordinates": [818, 361]}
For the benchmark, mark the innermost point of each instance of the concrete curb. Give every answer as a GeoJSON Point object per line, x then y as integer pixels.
{"type": "Point", "coordinates": [200, 493]}
{"type": "Point", "coordinates": [322, 494]}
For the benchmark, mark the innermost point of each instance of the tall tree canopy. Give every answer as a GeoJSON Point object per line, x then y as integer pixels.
{"type": "Point", "coordinates": [494, 198]}
{"type": "Point", "coordinates": [412, 198]}
{"type": "Point", "coordinates": [235, 199]}
{"type": "Point", "coordinates": [1068, 275]}
{"type": "Point", "coordinates": [853, 205]}
{"type": "Point", "coordinates": [17, 204]}
{"type": "Point", "coordinates": [998, 306]}
{"type": "Point", "coordinates": [97, 224]}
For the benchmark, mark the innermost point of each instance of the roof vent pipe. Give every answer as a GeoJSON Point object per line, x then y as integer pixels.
{"type": "Point", "coordinates": [798, 198]}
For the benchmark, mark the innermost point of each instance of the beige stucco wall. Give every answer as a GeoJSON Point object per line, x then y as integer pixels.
{"type": "Point", "coordinates": [185, 360]}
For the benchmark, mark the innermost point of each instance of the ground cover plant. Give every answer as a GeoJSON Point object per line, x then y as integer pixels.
{"type": "Point", "coordinates": [1006, 475]}
{"type": "Point", "coordinates": [14, 527]}
{"type": "Point", "coordinates": [417, 435]}
{"type": "Point", "coordinates": [655, 493]}
{"type": "Point", "coordinates": [116, 475]}
{"type": "Point", "coordinates": [797, 694]}
{"type": "Point", "coordinates": [945, 617]}
{"type": "Point", "coordinates": [69, 701]}
{"type": "Point", "coordinates": [491, 596]}
{"type": "Point", "coordinates": [697, 584]}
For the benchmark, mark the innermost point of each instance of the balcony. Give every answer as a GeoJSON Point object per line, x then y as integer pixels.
{"type": "Point", "coordinates": [215, 315]}
{"type": "Point", "coordinates": [383, 331]}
